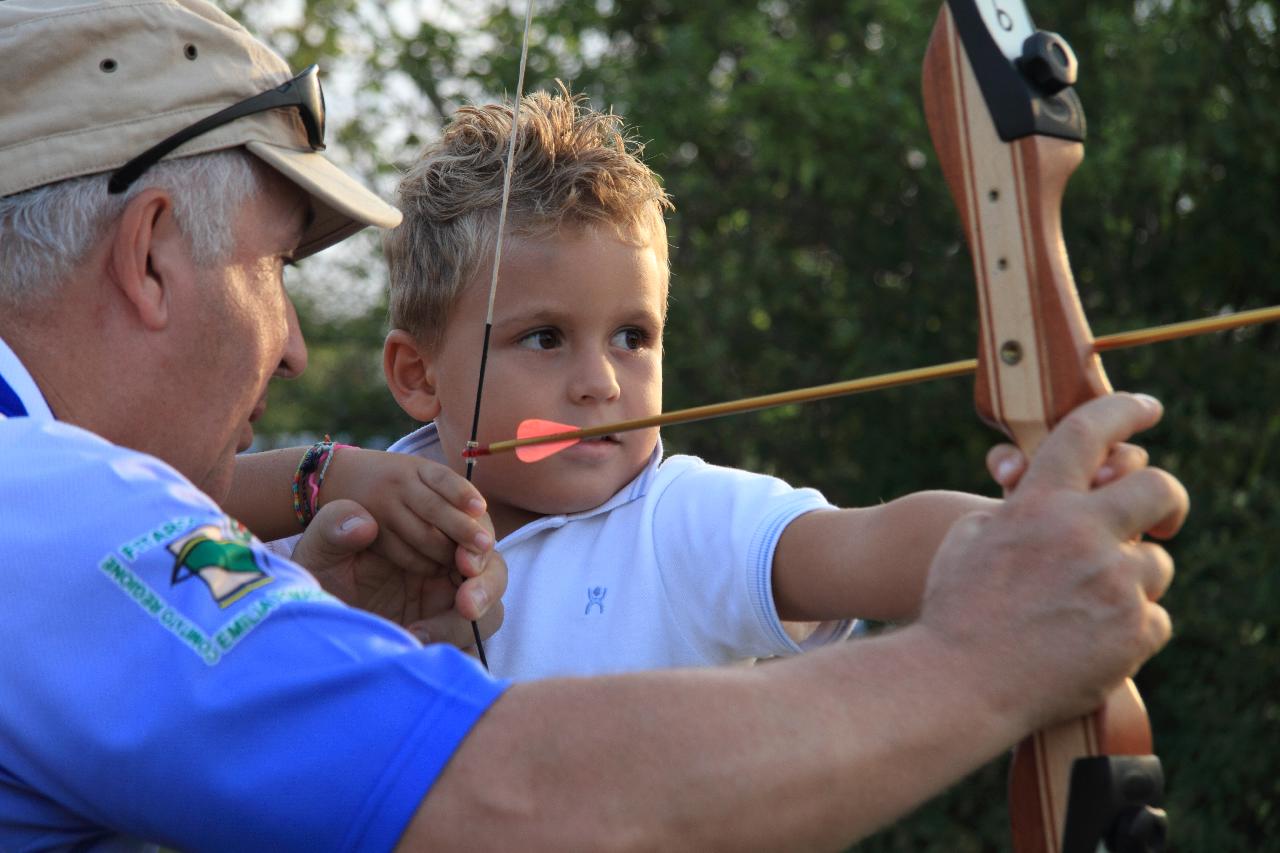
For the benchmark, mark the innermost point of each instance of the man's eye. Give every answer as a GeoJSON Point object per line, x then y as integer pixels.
{"type": "Point", "coordinates": [630, 338]}
{"type": "Point", "coordinates": [541, 339]}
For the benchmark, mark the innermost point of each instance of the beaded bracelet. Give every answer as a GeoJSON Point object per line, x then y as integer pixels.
{"type": "Point", "coordinates": [309, 477]}
{"type": "Point", "coordinates": [303, 506]}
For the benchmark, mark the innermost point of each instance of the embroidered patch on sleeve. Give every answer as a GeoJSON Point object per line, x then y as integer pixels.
{"type": "Point", "coordinates": [221, 556]}
{"type": "Point", "coordinates": [203, 570]}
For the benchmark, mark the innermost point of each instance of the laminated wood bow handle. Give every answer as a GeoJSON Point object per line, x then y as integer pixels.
{"type": "Point", "coordinates": [1009, 131]}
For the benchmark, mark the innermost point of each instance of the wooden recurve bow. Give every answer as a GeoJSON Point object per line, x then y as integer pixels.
{"type": "Point", "coordinates": [1009, 130]}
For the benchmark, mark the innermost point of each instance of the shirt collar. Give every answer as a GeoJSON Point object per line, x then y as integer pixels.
{"type": "Point", "coordinates": [425, 442]}
{"type": "Point", "coordinates": [19, 395]}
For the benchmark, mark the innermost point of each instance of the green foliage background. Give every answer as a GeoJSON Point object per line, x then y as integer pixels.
{"type": "Point", "coordinates": [814, 241]}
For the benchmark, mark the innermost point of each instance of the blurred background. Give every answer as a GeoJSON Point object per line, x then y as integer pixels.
{"type": "Point", "coordinates": [814, 241]}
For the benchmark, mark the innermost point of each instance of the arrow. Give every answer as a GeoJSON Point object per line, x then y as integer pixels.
{"type": "Point", "coordinates": [537, 439]}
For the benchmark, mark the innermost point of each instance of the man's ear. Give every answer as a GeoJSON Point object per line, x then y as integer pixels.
{"type": "Point", "coordinates": [410, 374]}
{"type": "Point", "coordinates": [148, 255]}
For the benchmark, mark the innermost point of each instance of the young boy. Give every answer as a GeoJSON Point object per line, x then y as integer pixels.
{"type": "Point", "coordinates": [618, 560]}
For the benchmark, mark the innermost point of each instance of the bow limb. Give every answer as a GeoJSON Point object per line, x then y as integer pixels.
{"type": "Point", "coordinates": [1009, 132]}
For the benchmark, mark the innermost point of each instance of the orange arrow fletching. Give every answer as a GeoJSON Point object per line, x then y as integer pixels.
{"type": "Point", "coordinates": [535, 428]}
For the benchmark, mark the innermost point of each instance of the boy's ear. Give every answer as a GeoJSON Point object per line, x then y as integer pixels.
{"type": "Point", "coordinates": [410, 376]}
{"type": "Point", "coordinates": [147, 256]}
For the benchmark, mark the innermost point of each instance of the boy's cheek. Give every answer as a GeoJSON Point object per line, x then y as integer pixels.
{"type": "Point", "coordinates": [550, 487]}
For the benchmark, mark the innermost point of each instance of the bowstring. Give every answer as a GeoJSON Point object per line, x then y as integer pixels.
{"type": "Point", "coordinates": [497, 262]}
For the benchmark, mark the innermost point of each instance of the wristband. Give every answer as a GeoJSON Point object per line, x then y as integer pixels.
{"type": "Point", "coordinates": [309, 476]}
{"type": "Point", "coordinates": [303, 503]}
{"type": "Point", "coordinates": [316, 478]}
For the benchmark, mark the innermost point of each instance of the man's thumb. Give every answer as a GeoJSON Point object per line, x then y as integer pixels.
{"type": "Point", "coordinates": [340, 529]}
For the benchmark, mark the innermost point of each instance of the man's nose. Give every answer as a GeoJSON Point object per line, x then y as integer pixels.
{"type": "Point", "coordinates": [294, 358]}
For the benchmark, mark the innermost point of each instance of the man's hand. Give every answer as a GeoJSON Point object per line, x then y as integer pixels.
{"type": "Point", "coordinates": [336, 548]}
{"type": "Point", "coordinates": [1006, 464]}
{"type": "Point", "coordinates": [1055, 590]}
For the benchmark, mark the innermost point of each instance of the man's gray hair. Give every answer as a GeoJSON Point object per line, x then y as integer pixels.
{"type": "Point", "coordinates": [46, 231]}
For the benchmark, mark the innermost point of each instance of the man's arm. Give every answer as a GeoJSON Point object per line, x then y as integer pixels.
{"type": "Point", "coordinates": [1031, 613]}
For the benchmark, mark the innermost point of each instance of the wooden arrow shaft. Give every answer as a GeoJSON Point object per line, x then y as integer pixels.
{"type": "Point", "coordinates": [1121, 340]}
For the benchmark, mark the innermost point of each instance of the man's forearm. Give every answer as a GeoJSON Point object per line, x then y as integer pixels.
{"type": "Point", "coordinates": [1032, 614]}
{"type": "Point", "coordinates": [810, 753]}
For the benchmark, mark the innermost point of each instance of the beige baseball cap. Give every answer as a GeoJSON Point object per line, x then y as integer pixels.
{"type": "Point", "coordinates": [87, 85]}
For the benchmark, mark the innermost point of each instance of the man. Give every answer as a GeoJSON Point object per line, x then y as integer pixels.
{"type": "Point", "coordinates": [167, 680]}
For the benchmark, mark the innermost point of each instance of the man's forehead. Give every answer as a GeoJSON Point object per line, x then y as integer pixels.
{"type": "Point", "coordinates": [290, 210]}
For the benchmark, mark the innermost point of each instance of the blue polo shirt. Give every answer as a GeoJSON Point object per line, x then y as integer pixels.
{"type": "Point", "coordinates": [166, 679]}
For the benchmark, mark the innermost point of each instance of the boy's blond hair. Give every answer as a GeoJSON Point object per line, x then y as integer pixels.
{"type": "Point", "coordinates": [574, 167]}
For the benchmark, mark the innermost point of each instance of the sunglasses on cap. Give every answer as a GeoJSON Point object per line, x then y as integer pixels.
{"type": "Point", "coordinates": [302, 92]}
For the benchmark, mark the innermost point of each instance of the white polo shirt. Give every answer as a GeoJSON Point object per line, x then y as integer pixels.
{"type": "Point", "coordinates": [674, 570]}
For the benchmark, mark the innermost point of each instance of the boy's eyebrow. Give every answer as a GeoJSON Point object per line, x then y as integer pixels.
{"type": "Point", "coordinates": [536, 314]}
{"type": "Point", "coordinates": [553, 315]}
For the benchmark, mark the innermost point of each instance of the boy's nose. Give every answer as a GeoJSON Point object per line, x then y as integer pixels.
{"type": "Point", "coordinates": [595, 379]}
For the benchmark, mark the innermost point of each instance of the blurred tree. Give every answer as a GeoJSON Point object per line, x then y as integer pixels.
{"type": "Point", "coordinates": [814, 241]}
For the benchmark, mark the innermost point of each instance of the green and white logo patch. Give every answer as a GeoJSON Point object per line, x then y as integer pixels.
{"type": "Point", "coordinates": [194, 579]}
{"type": "Point", "coordinates": [222, 557]}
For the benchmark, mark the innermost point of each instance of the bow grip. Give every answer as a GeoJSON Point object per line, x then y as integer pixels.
{"type": "Point", "coordinates": [1036, 359]}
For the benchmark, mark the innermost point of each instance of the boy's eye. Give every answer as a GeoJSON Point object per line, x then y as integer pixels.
{"type": "Point", "coordinates": [540, 339]}
{"type": "Point", "coordinates": [630, 338]}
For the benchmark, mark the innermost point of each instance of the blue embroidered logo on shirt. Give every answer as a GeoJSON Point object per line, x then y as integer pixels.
{"type": "Point", "coordinates": [595, 598]}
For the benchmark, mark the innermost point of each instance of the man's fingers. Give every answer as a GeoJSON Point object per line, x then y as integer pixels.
{"type": "Point", "coordinates": [1125, 458]}
{"type": "Point", "coordinates": [447, 628]}
{"type": "Point", "coordinates": [491, 621]}
{"type": "Point", "coordinates": [340, 529]}
{"type": "Point", "coordinates": [1072, 453]}
{"type": "Point", "coordinates": [455, 629]}
{"type": "Point", "coordinates": [411, 558]}
{"type": "Point", "coordinates": [1159, 628]}
{"type": "Point", "coordinates": [1154, 569]}
{"type": "Point", "coordinates": [1149, 501]}
{"type": "Point", "coordinates": [1006, 465]}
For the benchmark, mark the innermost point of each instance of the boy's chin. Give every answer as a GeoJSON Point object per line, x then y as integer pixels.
{"type": "Point", "coordinates": [548, 488]}
{"type": "Point", "coordinates": [571, 498]}
{"type": "Point", "coordinates": [579, 502]}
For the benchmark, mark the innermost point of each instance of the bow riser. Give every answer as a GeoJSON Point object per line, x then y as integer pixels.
{"type": "Point", "coordinates": [1036, 359]}
{"type": "Point", "coordinates": [1040, 773]}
